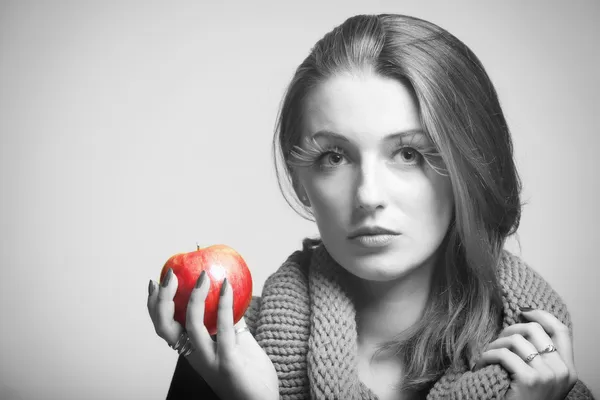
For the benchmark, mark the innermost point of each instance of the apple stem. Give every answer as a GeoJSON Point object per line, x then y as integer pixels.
{"type": "Point", "coordinates": [197, 246]}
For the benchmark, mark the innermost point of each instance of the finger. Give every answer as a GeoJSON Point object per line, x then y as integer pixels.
{"type": "Point", "coordinates": [194, 324]}
{"type": "Point", "coordinates": [509, 360]}
{"type": "Point", "coordinates": [540, 339]}
{"type": "Point", "coordinates": [166, 326]}
{"type": "Point", "coordinates": [242, 334]}
{"type": "Point", "coordinates": [521, 347]}
{"type": "Point", "coordinates": [562, 360]}
{"type": "Point", "coordinates": [152, 297]}
{"type": "Point", "coordinates": [532, 331]}
{"type": "Point", "coordinates": [557, 331]}
{"type": "Point", "coordinates": [561, 367]}
{"type": "Point", "coordinates": [225, 331]}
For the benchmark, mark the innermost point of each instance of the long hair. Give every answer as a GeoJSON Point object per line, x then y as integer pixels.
{"type": "Point", "coordinates": [461, 114]}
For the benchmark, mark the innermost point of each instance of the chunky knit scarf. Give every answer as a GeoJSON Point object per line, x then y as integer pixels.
{"type": "Point", "coordinates": [306, 324]}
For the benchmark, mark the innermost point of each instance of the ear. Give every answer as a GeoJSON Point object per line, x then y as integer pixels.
{"type": "Point", "coordinates": [304, 199]}
{"type": "Point", "coordinates": [300, 191]}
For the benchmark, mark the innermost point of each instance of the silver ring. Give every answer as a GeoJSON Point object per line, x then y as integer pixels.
{"type": "Point", "coordinates": [549, 349]}
{"type": "Point", "coordinates": [242, 329]}
{"type": "Point", "coordinates": [182, 338]}
{"type": "Point", "coordinates": [531, 357]}
{"type": "Point", "coordinates": [184, 345]}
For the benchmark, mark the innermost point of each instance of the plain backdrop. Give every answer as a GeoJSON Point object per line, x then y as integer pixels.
{"type": "Point", "coordinates": [130, 131]}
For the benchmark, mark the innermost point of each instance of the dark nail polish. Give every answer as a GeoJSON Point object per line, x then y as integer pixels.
{"type": "Point", "coordinates": [150, 288]}
{"type": "Point", "coordinates": [200, 280]}
{"type": "Point", "coordinates": [165, 281]}
{"type": "Point", "coordinates": [223, 287]}
{"type": "Point", "coordinates": [526, 309]}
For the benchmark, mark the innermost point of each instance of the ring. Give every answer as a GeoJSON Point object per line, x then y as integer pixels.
{"type": "Point", "coordinates": [548, 349]}
{"type": "Point", "coordinates": [531, 357]}
{"type": "Point", "coordinates": [242, 329]}
{"type": "Point", "coordinates": [184, 345]}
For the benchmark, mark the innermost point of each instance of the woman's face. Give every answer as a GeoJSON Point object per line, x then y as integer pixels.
{"type": "Point", "coordinates": [381, 210]}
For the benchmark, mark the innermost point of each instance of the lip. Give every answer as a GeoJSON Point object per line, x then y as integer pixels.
{"type": "Point", "coordinates": [379, 240]}
{"type": "Point", "coordinates": [371, 231]}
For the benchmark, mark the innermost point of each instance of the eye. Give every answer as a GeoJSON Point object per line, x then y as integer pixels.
{"type": "Point", "coordinates": [409, 155]}
{"type": "Point", "coordinates": [333, 159]}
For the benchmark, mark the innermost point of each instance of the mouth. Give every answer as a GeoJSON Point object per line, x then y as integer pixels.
{"type": "Point", "coordinates": [373, 236]}
{"type": "Point", "coordinates": [379, 240]}
{"type": "Point", "coordinates": [372, 231]}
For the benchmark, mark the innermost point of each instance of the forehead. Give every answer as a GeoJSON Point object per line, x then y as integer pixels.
{"type": "Point", "coordinates": [361, 104]}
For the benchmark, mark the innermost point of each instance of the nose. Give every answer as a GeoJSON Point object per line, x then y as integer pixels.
{"type": "Point", "coordinates": [370, 190]}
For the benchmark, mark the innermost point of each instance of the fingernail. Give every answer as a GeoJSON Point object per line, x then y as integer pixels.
{"type": "Point", "coordinates": [150, 288]}
{"type": "Point", "coordinates": [223, 287]}
{"type": "Point", "coordinates": [165, 281]}
{"type": "Point", "coordinates": [526, 309]}
{"type": "Point", "coordinates": [200, 280]}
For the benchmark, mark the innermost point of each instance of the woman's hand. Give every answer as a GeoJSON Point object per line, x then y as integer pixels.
{"type": "Point", "coordinates": [234, 366]}
{"type": "Point", "coordinates": [538, 356]}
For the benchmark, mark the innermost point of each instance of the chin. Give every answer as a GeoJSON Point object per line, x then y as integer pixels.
{"type": "Point", "coordinates": [377, 276]}
{"type": "Point", "coordinates": [381, 271]}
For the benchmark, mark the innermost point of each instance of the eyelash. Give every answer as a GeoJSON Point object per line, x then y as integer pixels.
{"type": "Point", "coordinates": [339, 151]}
{"type": "Point", "coordinates": [330, 151]}
{"type": "Point", "coordinates": [314, 153]}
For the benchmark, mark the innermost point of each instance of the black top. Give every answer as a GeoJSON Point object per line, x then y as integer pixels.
{"type": "Point", "coordinates": [188, 384]}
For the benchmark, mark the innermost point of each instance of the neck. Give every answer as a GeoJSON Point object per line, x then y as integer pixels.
{"type": "Point", "coordinates": [386, 309]}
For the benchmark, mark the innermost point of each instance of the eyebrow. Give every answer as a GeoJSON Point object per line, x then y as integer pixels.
{"type": "Point", "coordinates": [396, 135]}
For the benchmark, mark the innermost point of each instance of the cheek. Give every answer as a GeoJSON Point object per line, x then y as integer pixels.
{"type": "Point", "coordinates": [330, 196]}
{"type": "Point", "coordinates": [441, 206]}
{"type": "Point", "coordinates": [431, 207]}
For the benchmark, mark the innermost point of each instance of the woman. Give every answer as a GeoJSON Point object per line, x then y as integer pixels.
{"type": "Point", "coordinates": [393, 139]}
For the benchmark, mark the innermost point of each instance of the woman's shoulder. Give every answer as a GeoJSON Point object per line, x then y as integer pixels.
{"type": "Point", "coordinates": [289, 281]}
{"type": "Point", "coordinates": [523, 286]}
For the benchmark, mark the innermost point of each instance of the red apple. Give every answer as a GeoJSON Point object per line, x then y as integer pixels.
{"type": "Point", "coordinates": [220, 262]}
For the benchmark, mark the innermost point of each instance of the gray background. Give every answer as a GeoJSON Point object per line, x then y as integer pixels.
{"type": "Point", "coordinates": [132, 130]}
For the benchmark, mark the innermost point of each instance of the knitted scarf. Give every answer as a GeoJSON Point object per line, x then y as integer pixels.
{"type": "Point", "coordinates": [305, 322]}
